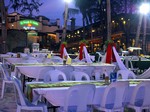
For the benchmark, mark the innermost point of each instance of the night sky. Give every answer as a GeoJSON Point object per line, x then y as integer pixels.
{"type": "Point", "coordinates": [54, 9]}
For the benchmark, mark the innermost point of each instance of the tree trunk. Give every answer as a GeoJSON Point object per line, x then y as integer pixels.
{"type": "Point", "coordinates": [108, 20]}
{"type": "Point", "coordinates": [83, 20]}
{"type": "Point", "coordinates": [3, 26]}
{"type": "Point", "coordinates": [65, 22]}
{"type": "Point", "coordinates": [126, 7]}
{"type": "Point", "coordinates": [138, 31]}
{"type": "Point", "coordinates": [144, 35]}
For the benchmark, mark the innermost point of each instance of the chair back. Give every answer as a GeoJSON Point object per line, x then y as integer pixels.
{"type": "Point", "coordinates": [78, 76]}
{"type": "Point", "coordinates": [114, 95]}
{"type": "Point", "coordinates": [128, 63]}
{"type": "Point", "coordinates": [89, 70]}
{"type": "Point", "coordinates": [126, 74]}
{"type": "Point", "coordinates": [43, 71]}
{"type": "Point", "coordinates": [30, 60]}
{"type": "Point", "coordinates": [5, 72]}
{"type": "Point", "coordinates": [19, 93]}
{"type": "Point", "coordinates": [56, 59]}
{"type": "Point", "coordinates": [54, 75]}
{"type": "Point", "coordinates": [67, 70]}
{"type": "Point", "coordinates": [79, 96]}
{"type": "Point", "coordinates": [141, 94]}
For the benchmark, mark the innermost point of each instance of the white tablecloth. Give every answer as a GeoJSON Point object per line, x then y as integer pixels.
{"type": "Point", "coordinates": [33, 71]}
{"type": "Point", "coordinates": [56, 95]}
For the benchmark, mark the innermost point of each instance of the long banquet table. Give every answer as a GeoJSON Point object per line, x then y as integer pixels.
{"type": "Point", "coordinates": [33, 70]}
{"type": "Point", "coordinates": [56, 95]}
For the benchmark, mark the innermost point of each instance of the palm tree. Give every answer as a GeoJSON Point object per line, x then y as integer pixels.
{"type": "Point", "coordinates": [85, 7]}
{"type": "Point", "coordinates": [30, 6]}
{"type": "Point", "coordinates": [68, 12]}
{"type": "Point", "coordinates": [15, 4]}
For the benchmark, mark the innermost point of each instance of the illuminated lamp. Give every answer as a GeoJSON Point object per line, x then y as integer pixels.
{"type": "Point", "coordinates": [145, 8]}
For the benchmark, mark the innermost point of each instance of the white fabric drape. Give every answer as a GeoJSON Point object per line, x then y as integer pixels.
{"type": "Point", "coordinates": [65, 53]}
{"type": "Point", "coordinates": [144, 75]}
{"type": "Point", "coordinates": [87, 56]}
{"type": "Point", "coordinates": [119, 62]}
{"type": "Point", "coordinates": [104, 58]}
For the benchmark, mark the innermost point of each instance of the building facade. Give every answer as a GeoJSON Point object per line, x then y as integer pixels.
{"type": "Point", "coordinates": [38, 29]}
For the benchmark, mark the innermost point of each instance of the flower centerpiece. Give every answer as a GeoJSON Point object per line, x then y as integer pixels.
{"type": "Point", "coordinates": [64, 43]}
{"type": "Point", "coordinates": [109, 42]}
{"type": "Point", "coordinates": [83, 42]}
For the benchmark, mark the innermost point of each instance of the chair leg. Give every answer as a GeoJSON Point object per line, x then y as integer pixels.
{"type": "Point", "coordinates": [18, 109]}
{"type": "Point", "coordinates": [122, 110]}
{"type": "Point", "coordinates": [137, 109]}
{"type": "Point", "coordinates": [3, 89]}
{"type": "Point", "coordinates": [45, 109]}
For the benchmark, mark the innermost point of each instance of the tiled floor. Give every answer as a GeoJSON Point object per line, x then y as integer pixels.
{"type": "Point", "coordinates": [7, 104]}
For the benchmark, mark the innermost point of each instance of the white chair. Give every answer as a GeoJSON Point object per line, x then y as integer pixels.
{"type": "Point", "coordinates": [78, 76]}
{"type": "Point", "coordinates": [140, 97]}
{"type": "Point", "coordinates": [89, 70]}
{"type": "Point", "coordinates": [129, 62]}
{"type": "Point", "coordinates": [47, 60]}
{"type": "Point", "coordinates": [144, 75]}
{"type": "Point", "coordinates": [113, 97]}
{"type": "Point", "coordinates": [125, 74]}
{"type": "Point", "coordinates": [22, 102]}
{"type": "Point", "coordinates": [6, 79]}
{"type": "Point", "coordinates": [43, 71]}
{"type": "Point", "coordinates": [98, 74]}
{"type": "Point", "coordinates": [56, 59]}
{"type": "Point", "coordinates": [78, 98]}
{"type": "Point", "coordinates": [29, 60]}
{"type": "Point", "coordinates": [68, 71]}
{"type": "Point", "coordinates": [54, 75]}
{"type": "Point", "coordinates": [99, 56]}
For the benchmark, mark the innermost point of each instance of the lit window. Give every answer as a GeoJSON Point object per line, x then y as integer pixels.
{"type": "Point", "coordinates": [124, 22]}
{"type": "Point", "coordinates": [121, 18]}
{"type": "Point", "coordinates": [93, 31]}
{"type": "Point", "coordinates": [113, 21]}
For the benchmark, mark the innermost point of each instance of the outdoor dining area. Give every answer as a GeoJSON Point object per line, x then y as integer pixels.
{"type": "Point", "coordinates": [50, 83]}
